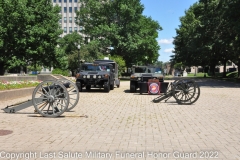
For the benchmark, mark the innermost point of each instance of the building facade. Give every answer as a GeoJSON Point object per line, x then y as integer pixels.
{"type": "Point", "coordinates": [68, 14]}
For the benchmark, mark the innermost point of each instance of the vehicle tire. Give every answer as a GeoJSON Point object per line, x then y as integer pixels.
{"type": "Point", "coordinates": [79, 86]}
{"type": "Point", "coordinates": [132, 88]}
{"type": "Point", "coordinates": [106, 87]}
{"type": "Point", "coordinates": [111, 86]}
{"type": "Point", "coordinates": [88, 87]}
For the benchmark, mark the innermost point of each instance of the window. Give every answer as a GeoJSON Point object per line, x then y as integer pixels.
{"type": "Point", "coordinates": [60, 10]}
{"type": "Point", "coordinates": [65, 9]}
{"type": "Point", "coordinates": [70, 1]}
{"type": "Point", "coordinates": [75, 0]}
{"type": "Point", "coordinates": [54, 1]}
{"type": "Point", "coordinates": [65, 29]}
{"type": "Point", "coordinates": [75, 9]}
{"type": "Point", "coordinates": [60, 1]}
{"type": "Point", "coordinates": [70, 9]}
{"type": "Point", "coordinates": [60, 20]}
{"type": "Point", "coordinates": [70, 19]}
{"type": "Point", "coordinates": [65, 19]}
{"type": "Point", "coordinates": [75, 19]}
{"type": "Point", "coordinates": [70, 29]}
{"type": "Point", "coordinates": [75, 29]}
{"type": "Point", "coordinates": [65, 1]}
{"type": "Point", "coordinates": [80, 28]}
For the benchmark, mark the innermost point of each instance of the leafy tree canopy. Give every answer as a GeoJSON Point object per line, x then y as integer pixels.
{"type": "Point", "coordinates": [121, 25]}
{"type": "Point", "coordinates": [208, 34]}
{"type": "Point", "coordinates": [29, 31]}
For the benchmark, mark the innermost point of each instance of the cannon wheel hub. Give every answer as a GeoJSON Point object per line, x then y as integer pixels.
{"type": "Point", "coordinates": [50, 98]}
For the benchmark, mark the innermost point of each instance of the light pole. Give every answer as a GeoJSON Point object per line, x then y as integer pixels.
{"type": "Point", "coordinates": [79, 64]}
{"type": "Point", "coordinates": [108, 51]}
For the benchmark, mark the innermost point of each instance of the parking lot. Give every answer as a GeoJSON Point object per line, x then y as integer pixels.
{"type": "Point", "coordinates": [124, 125]}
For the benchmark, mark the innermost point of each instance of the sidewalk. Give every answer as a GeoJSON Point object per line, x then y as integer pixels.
{"type": "Point", "coordinates": [123, 125]}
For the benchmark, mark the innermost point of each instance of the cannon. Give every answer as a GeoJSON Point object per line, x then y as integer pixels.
{"type": "Point", "coordinates": [50, 98]}
{"type": "Point", "coordinates": [185, 92]}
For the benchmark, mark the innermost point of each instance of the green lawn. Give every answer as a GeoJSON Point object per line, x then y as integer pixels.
{"type": "Point", "coordinates": [197, 75]}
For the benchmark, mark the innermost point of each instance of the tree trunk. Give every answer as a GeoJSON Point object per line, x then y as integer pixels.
{"type": "Point", "coordinates": [2, 69]}
{"type": "Point", "coordinates": [203, 66]}
{"type": "Point", "coordinates": [238, 68]}
{"type": "Point", "coordinates": [73, 73]}
{"type": "Point", "coordinates": [206, 70]}
{"type": "Point", "coordinates": [212, 69]}
{"type": "Point", "coordinates": [224, 69]}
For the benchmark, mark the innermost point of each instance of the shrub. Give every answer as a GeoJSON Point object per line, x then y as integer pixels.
{"type": "Point", "coordinates": [59, 71]}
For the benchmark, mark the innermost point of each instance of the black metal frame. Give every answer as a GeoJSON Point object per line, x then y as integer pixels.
{"type": "Point", "coordinates": [184, 92]}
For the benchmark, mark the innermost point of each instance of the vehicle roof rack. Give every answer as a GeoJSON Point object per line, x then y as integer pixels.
{"type": "Point", "coordinates": [106, 61]}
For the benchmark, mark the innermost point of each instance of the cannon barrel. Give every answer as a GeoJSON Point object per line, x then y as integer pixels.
{"type": "Point", "coordinates": [46, 89]}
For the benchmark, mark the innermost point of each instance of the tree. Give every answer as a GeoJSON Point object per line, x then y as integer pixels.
{"type": "Point", "coordinates": [29, 32]}
{"type": "Point", "coordinates": [160, 64]}
{"type": "Point", "coordinates": [189, 43]}
{"type": "Point", "coordinates": [231, 14]}
{"type": "Point", "coordinates": [61, 59]}
{"type": "Point", "coordinates": [121, 25]}
{"type": "Point", "coordinates": [88, 52]}
{"type": "Point", "coordinates": [209, 34]}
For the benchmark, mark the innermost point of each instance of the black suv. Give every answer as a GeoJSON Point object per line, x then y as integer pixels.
{"type": "Point", "coordinates": [141, 75]}
{"type": "Point", "coordinates": [96, 75]}
{"type": "Point", "coordinates": [115, 70]}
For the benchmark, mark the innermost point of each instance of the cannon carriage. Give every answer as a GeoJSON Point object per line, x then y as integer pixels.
{"type": "Point", "coordinates": [50, 98]}
{"type": "Point", "coordinates": [185, 92]}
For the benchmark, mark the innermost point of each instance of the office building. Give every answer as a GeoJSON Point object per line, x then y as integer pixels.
{"type": "Point", "coordinates": [68, 14]}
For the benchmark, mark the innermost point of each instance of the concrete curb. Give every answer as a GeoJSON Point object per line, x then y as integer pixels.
{"type": "Point", "coordinates": [22, 92]}
{"type": "Point", "coordinates": [18, 78]}
{"type": "Point", "coordinates": [15, 93]}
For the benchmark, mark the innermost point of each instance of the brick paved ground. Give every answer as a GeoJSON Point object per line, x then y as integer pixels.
{"type": "Point", "coordinates": [131, 124]}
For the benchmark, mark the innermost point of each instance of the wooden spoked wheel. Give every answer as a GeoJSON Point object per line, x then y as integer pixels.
{"type": "Point", "coordinates": [50, 98]}
{"type": "Point", "coordinates": [73, 92]}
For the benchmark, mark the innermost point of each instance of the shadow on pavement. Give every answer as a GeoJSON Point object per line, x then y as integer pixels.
{"type": "Point", "coordinates": [209, 82]}
{"type": "Point", "coordinates": [212, 83]}
{"type": "Point", "coordinates": [94, 90]}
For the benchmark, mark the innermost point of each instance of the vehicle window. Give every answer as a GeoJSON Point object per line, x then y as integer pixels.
{"type": "Point", "coordinates": [104, 68]}
{"type": "Point", "coordinates": [140, 70]}
{"type": "Point", "coordinates": [88, 68]}
{"type": "Point", "coordinates": [158, 70]}
{"type": "Point", "coordinates": [154, 70]}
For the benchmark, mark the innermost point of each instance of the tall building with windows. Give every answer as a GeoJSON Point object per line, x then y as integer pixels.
{"type": "Point", "coordinates": [68, 14]}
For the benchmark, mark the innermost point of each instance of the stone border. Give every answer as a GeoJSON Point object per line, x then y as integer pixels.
{"type": "Point", "coordinates": [15, 93]}
{"type": "Point", "coordinates": [22, 92]}
{"type": "Point", "coordinates": [18, 78]}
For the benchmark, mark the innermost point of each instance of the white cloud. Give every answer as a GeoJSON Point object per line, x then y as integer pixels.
{"type": "Point", "coordinates": [169, 50]}
{"type": "Point", "coordinates": [165, 41]}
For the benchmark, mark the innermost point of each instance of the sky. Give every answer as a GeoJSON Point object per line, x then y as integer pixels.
{"type": "Point", "coordinates": [167, 14]}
